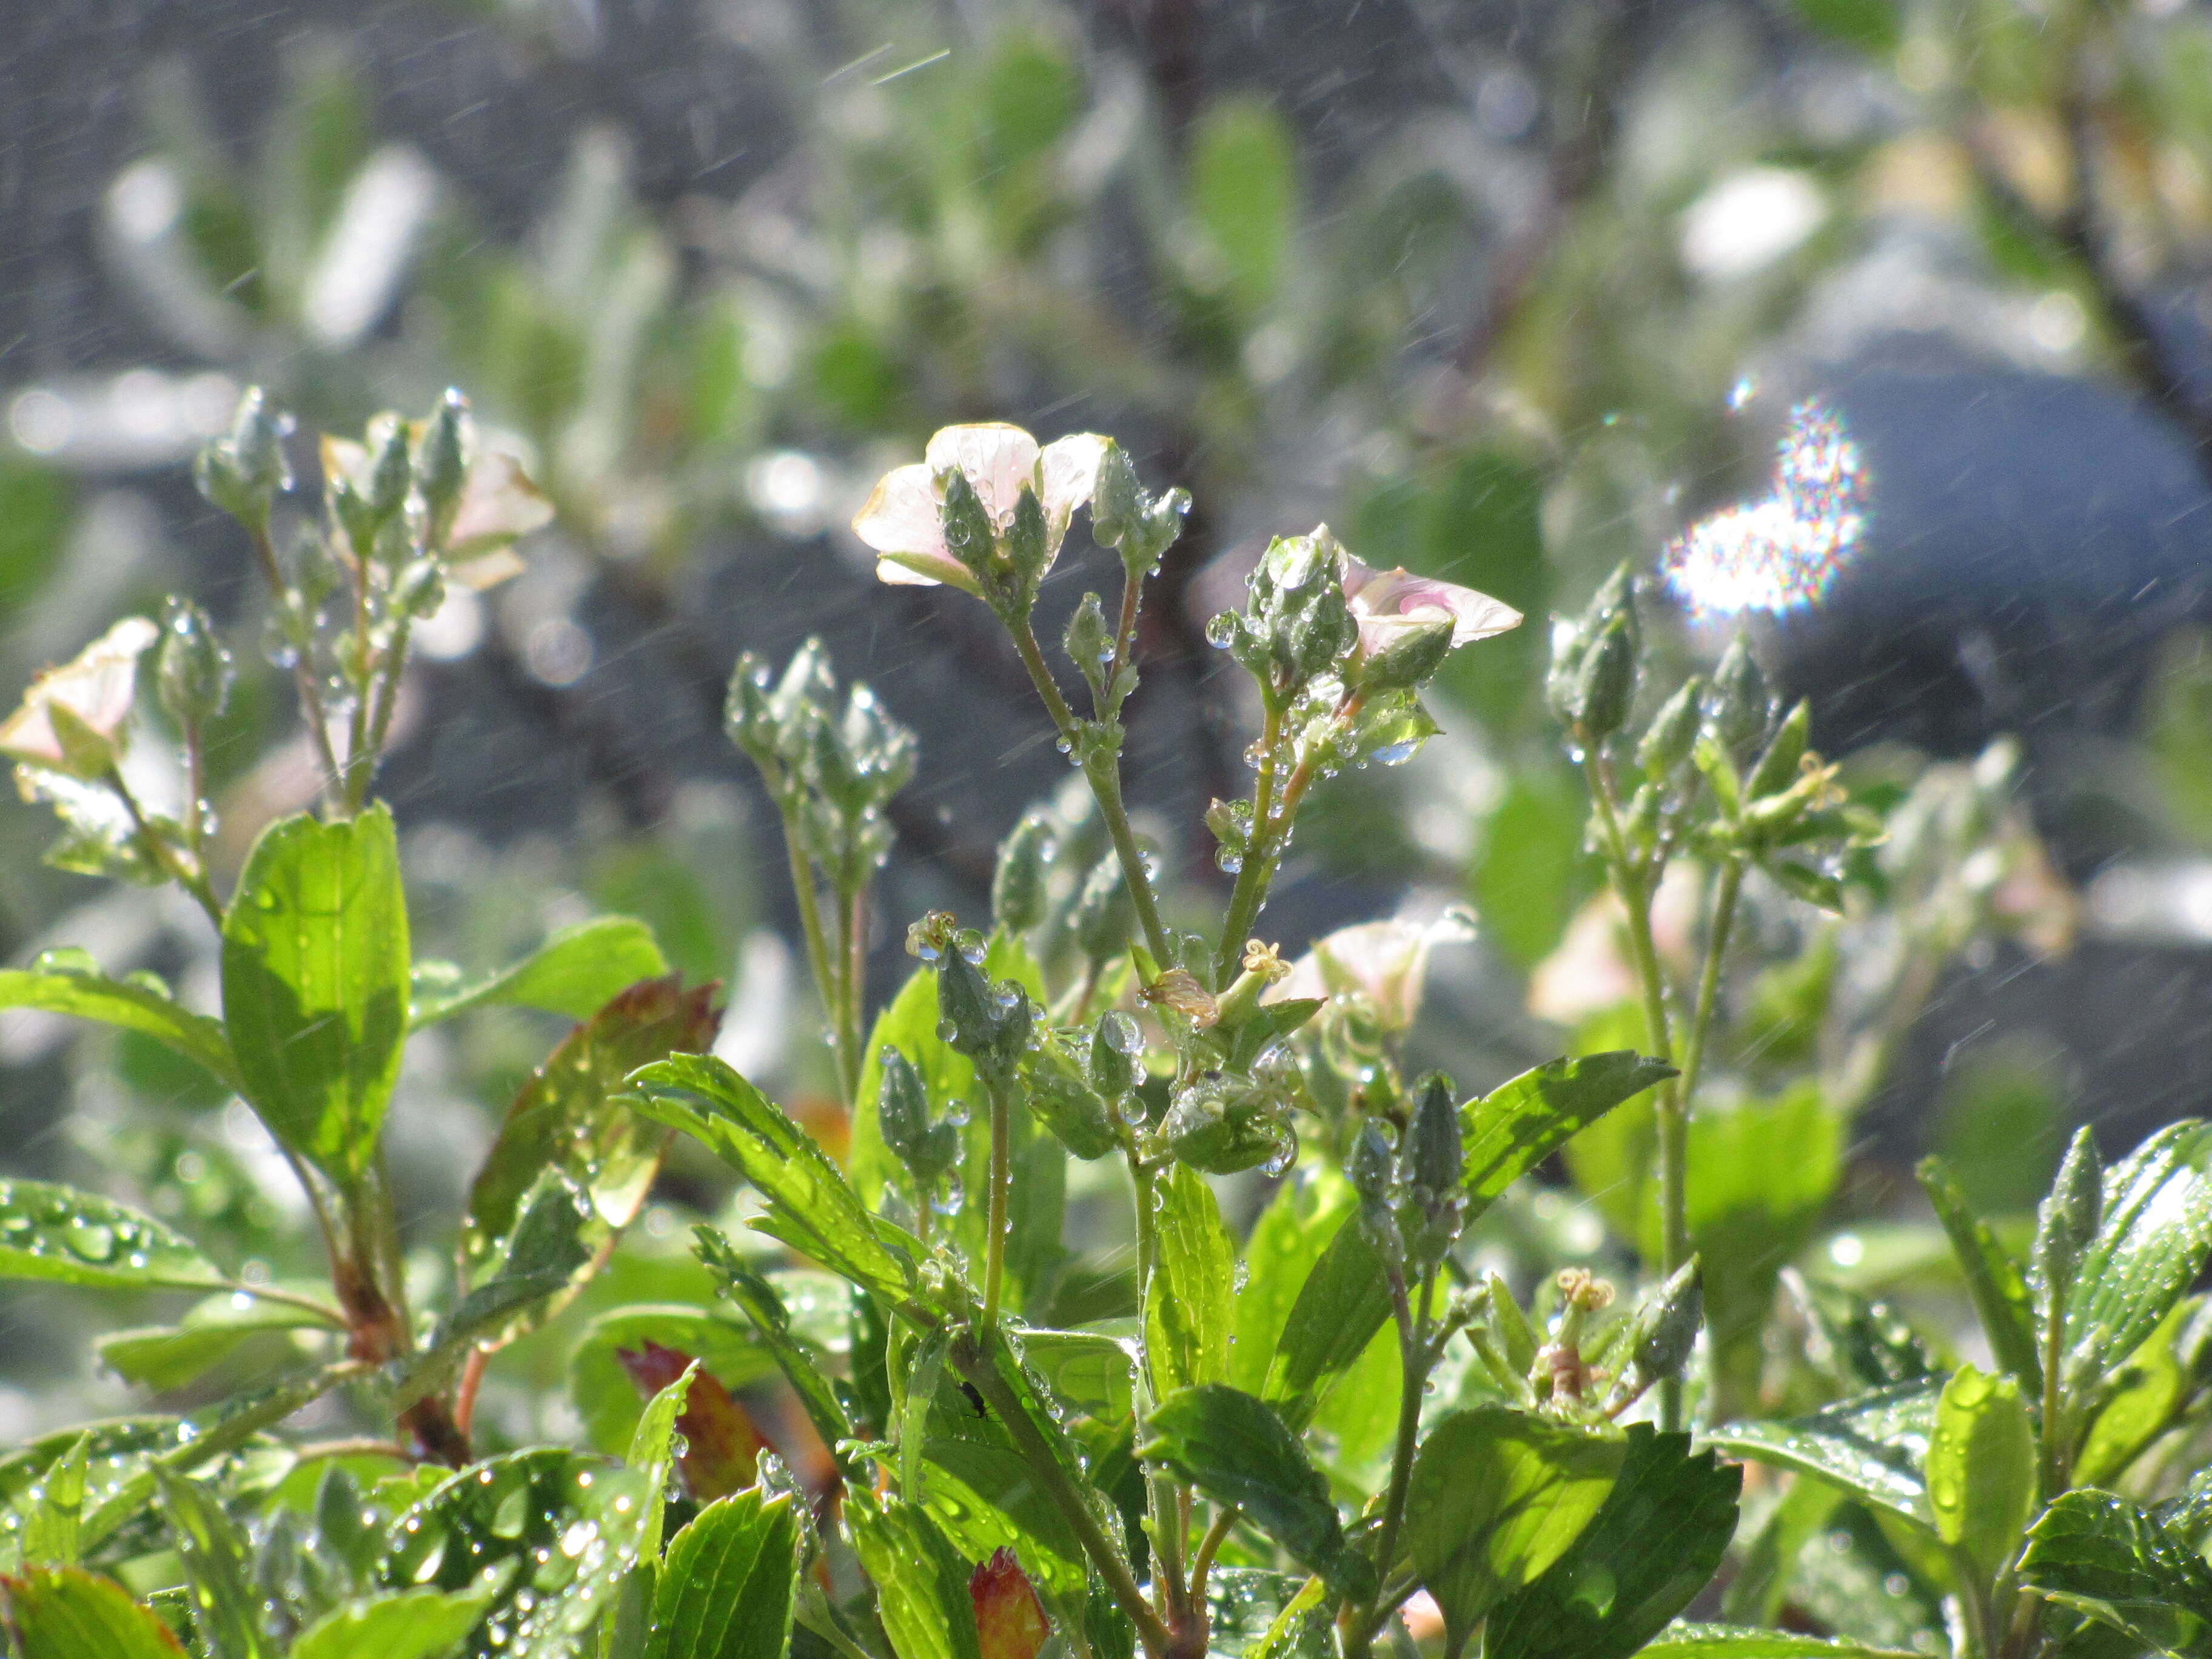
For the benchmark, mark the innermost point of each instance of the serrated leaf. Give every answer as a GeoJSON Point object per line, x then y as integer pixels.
{"type": "Point", "coordinates": [541, 1259]}
{"type": "Point", "coordinates": [56, 1232]}
{"type": "Point", "coordinates": [53, 1530]}
{"type": "Point", "coordinates": [1187, 1311]}
{"type": "Point", "coordinates": [771, 1321]}
{"type": "Point", "coordinates": [315, 984]}
{"type": "Point", "coordinates": [1872, 1448]}
{"type": "Point", "coordinates": [922, 1586]}
{"type": "Point", "coordinates": [420, 1624]}
{"type": "Point", "coordinates": [812, 1207]}
{"type": "Point", "coordinates": [225, 1607]}
{"type": "Point", "coordinates": [569, 1115]}
{"type": "Point", "coordinates": [1522, 1122]}
{"type": "Point", "coordinates": [2156, 1235]}
{"type": "Point", "coordinates": [1497, 1497]}
{"type": "Point", "coordinates": [1981, 1469]}
{"type": "Point", "coordinates": [554, 1522]}
{"type": "Point", "coordinates": [1994, 1280]}
{"type": "Point", "coordinates": [1657, 1542]}
{"type": "Point", "coordinates": [2107, 1558]}
{"type": "Point", "coordinates": [87, 995]}
{"type": "Point", "coordinates": [575, 972]}
{"type": "Point", "coordinates": [653, 1453]}
{"type": "Point", "coordinates": [66, 1613]}
{"type": "Point", "coordinates": [1234, 1448]}
{"type": "Point", "coordinates": [1279, 1255]}
{"type": "Point", "coordinates": [1344, 1302]}
{"type": "Point", "coordinates": [1735, 1642]}
{"type": "Point", "coordinates": [726, 1586]}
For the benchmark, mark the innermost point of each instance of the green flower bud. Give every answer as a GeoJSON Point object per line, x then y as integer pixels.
{"type": "Point", "coordinates": [749, 713]}
{"type": "Point", "coordinates": [390, 475]}
{"type": "Point", "coordinates": [1017, 889]}
{"type": "Point", "coordinates": [1777, 768]}
{"type": "Point", "coordinates": [882, 750]}
{"type": "Point", "coordinates": [1742, 708]}
{"type": "Point", "coordinates": [835, 771]}
{"type": "Point", "coordinates": [2067, 1221]}
{"type": "Point", "coordinates": [968, 535]}
{"type": "Point", "coordinates": [929, 1150]}
{"type": "Point", "coordinates": [988, 1024]}
{"type": "Point", "coordinates": [1371, 1168]}
{"type": "Point", "coordinates": [1117, 500]}
{"type": "Point", "coordinates": [1411, 658]}
{"type": "Point", "coordinates": [1673, 730]}
{"type": "Point", "coordinates": [1220, 1124]}
{"type": "Point", "coordinates": [1433, 1158]}
{"type": "Point", "coordinates": [420, 588]}
{"type": "Point", "coordinates": [1156, 533]}
{"type": "Point", "coordinates": [1104, 913]}
{"type": "Point", "coordinates": [192, 673]}
{"type": "Point", "coordinates": [1089, 642]}
{"type": "Point", "coordinates": [1117, 1055]}
{"type": "Point", "coordinates": [1029, 548]}
{"type": "Point", "coordinates": [441, 467]}
{"type": "Point", "coordinates": [1605, 679]}
{"type": "Point", "coordinates": [1062, 1096]}
{"type": "Point", "coordinates": [1665, 1329]}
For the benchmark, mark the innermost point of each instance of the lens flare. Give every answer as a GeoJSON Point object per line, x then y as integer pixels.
{"type": "Point", "coordinates": [1783, 551]}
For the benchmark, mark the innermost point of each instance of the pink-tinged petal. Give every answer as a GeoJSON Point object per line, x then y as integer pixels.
{"type": "Point", "coordinates": [1383, 964]}
{"type": "Point", "coordinates": [902, 517]}
{"type": "Point", "coordinates": [998, 459]}
{"type": "Point", "coordinates": [498, 505]}
{"type": "Point", "coordinates": [1069, 467]}
{"type": "Point", "coordinates": [1304, 983]}
{"type": "Point", "coordinates": [925, 570]}
{"type": "Point", "coordinates": [97, 686]}
{"type": "Point", "coordinates": [1399, 593]}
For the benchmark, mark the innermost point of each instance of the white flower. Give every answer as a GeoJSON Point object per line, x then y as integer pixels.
{"type": "Point", "coordinates": [1387, 605]}
{"type": "Point", "coordinates": [904, 519]}
{"type": "Point", "coordinates": [1385, 964]}
{"type": "Point", "coordinates": [91, 695]}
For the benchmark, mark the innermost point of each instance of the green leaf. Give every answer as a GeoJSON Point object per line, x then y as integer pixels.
{"type": "Point", "coordinates": [2148, 1393]}
{"type": "Point", "coordinates": [315, 982]}
{"type": "Point", "coordinates": [1188, 1313]}
{"type": "Point", "coordinates": [1874, 27]}
{"type": "Point", "coordinates": [1244, 193]}
{"type": "Point", "coordinates": [420, 1624]}
{"type": "Point", "coordinates": [811, 1206]}
{"type": "Point", "coordinates": [604, 1394]}
{"type": "Point", "coordinates": [226, 1606]}
{"type": "Point", "coordinates": [1345, 1300]}
{"type": "Point", "coordinates": [66, 1613]}
{"type": "Point", "coordinates": [1657, 1542]}
{"type": "Point", "coordinates": [652, 1454]}
{"type": "Point", "coordinates": [2109, 1559]}
{"type": "Point", "coordinates": [541, 1260]}
{"type": "Point", "coordinates": [570, 1116]}
{"type": "Point", "coordinates": [728, 1583]}
{"type": "Point", "coordinates": [1244, 1604]}
{"type": "Point", "coordinates": [170, 1356]}
{"type": "Point", "coordinates": [1872, 1448]}
{"type": "Point", "coordinates": [1523, 1121]}
{"type": "Point", "coordinates": [771, 1321]}
{"type": "Point", "coordinates": [576, 972]}
{"type": "Point", "coordinates": [58, 987]}
{"type": "Point", "coordinates": [1993, 1279]}
{"type": "Point", "coordinates": [1088, 1370]}
{"type": "Point", "coordinates": [1981, 1469]}
{"type": "Point", "coordinates": [1236, 1450]}
{"type": "Point", "coordinates": [922, 1586]}
{"type": "Point", "coordinates": [56, 1232]}
{"type": "Point", "coordinates": [52, 1531]}
{"type": "Point", "coordinates": [1767, 1562]}
{"type": "Point", "coordinates": [1280, 1255]}
{"type": "Point", "coordinates": [555, 1523]}
{"type": "Point", "coordinates": [1497, 1497]}
{"type": "Point", "coordinates": [2156, 1232]}
{"type": "Point", "coordinates": [1734, 1642]}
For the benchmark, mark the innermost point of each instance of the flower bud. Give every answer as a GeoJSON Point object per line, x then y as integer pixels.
{"type": "Point", "coordinates": [1017, 889]}
{"type": "Point", "coordinates": [1117, 1053]}
{"type": "Point", "coordinates": [420, 588]}
{"type": "Point", "coordinates": [1009, 1621]}
{"type": "Point", "coordinates": [1673, 731]}
{"type": "Point", "coordinates": [1104, 911]}
{"type": "Point", "coordinates": [2067, 1221]}
{"type": "Point", "coordinates": [1433, 1158]}
{"type": "Point", "coordinates": [1064, 1100]}
{"type": "Point", "coordinates": [440, 466]}
{"type": "Point", "coordinates": [390, 474]}
{"type": "Point", "coordinates": [1415, 653]}
{"type": "Point", "coordinates": [1089, 643]}
{"type": "Point", "coordinates": [1156, 533]}
{"type": "Point", "coordinates": [967, 526]}
{"type": "Point", "coordinates": [929, 1150]}
{"type": "Point", "coordinates": [1603, 683]}
{"type": "Point", "coordinates": [1371, 1168]}
{"type": "Point", "coordinates": [1029, 544]}
{"type": "Point", "coordinates": [1221, 1124]}
{"type": "Point", "coordinates": [1742, 708]}
{"type": "Point", "coordinates": [1665, 1331]}
{"type": "Point", "coordinates": [988, 1024]}
{"type": "Point", "coordinates": [1777, 768]}
{"type": "Point", "coordinates": [192, 674]}
{"type": "Point", "coordinates": [1117, 500]}
{"type": "Point", "coordinates": [882, 750]}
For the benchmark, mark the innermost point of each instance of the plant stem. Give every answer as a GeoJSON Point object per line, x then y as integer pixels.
{"type": "Point", "coordinates": [323, 1311]}
{"type": "Point", "coordinates": [817, 950]}
{"type": "Point", "coordinates": [1159, 1492]}
{"type": "Point", "coordinates": [1208, 1547]}
{"type": "Point", "coordinates": [1730, 887]}
{"type": "Point", "coordinates": [1269, 838]}
{"type": "Point", "coordinates": [1245, 899]}
{"type": "Point", "coordinates": [164, 856]}
{"type": "Point", "coordinates": [303, 669]}
{"type": "Point", "coordinates": [852, 990]}
{"type": "Point", "coordinates": [1414, 1375]}
{"type": "Point", "coordinates": [984, 1376]}
{"type": "Point", "coordinates": [1002, 1178]}
{"type": "Point", "coordinates": [387, 700]}
{"type": "Point", "coordinates": [1104, 771]}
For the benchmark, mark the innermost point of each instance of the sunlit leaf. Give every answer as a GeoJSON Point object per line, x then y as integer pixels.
{"type": "Point", "coordinates": [1993, 1279]}
{"type": "Point", "coordinates": [1733, 1642]}
{"type": "Point", "coordinates": [1517, 1125]}
{"type": "Point", "coordinates": [65, 1613]}
{"type": "Point", "coordinates": [1981, 1469]}
{"type": "Point", "coordinates": [2107, 1558]}
{"type": "Point", "coordinates": [1872, 1448]}
{"type": "Point", "coordinates": [771, 1322]}
{"type": "Point", "coordinates": [575, 972]}
{"type": "Point", "coordinates": [2156, 1232]}
{"type": "Point", "coordinates": [420, 1624]}
{"type": "Point", "coordinates": [721, 1445]}
{"type": "Point", "coordinates": [226, 1605]}
{"type": "Point", "coordinates": [922, 1586]}
{"type": "Point", "coordinates": [1188, 1313]}
{"type": "Point", "coordinates": [726, 1585]}
{"type": "Point", "coordinates": [53, 1530]}
{"type": "Point", "coordinates": [55, 1232]}
{"type": "Point", "coordinates": [60, 987]}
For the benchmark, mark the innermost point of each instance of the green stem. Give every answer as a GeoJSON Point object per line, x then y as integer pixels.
{"type": "Point", "coordinates": [328, 1315]}
{"type": "Point", "coordinates": [817, 950]}
{"type": "Point", "coordinates": [2057, 1471]}
{"type": "Point", "coordinates": [303, 668]}
{"type": "Point", "coordinates": [387, 700]}
{"type": "Point", "coordinates": [1725, 895]}
{"type": "Point", "coordinates": [852, 988]}
{"type": "Point", "coordinates": [1269, 838]}
{"type": "Point", "coordinates": [984, 1376]}
{"type": "Point", "coordinates": [1104, 772]}
{"type": "Point", "coordinates": [1159, 1492]}
{"type": "Point", "coordinates": [357, 764]}
{"type": "Point", "coordinates": [1002, 1178]}
{"type": "Point", "coordinates": [164, 857]}
{"type": "Point", "coordinates": [1250, 890]}
{"type": "Point", "coordinates": [1414, 1375]}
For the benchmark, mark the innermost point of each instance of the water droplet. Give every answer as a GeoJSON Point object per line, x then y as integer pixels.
{"type": "Point", "coordinates": [1396, 754]}
{"type": "Point", "coordinates": [1230, 860]}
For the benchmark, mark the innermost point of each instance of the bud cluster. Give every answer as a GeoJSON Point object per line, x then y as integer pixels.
{"type": "Point", "coordinates": [992, 1025]}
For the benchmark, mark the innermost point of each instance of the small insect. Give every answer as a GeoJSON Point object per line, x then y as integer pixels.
{"type": "Point", "coordinates": [975, 1399]}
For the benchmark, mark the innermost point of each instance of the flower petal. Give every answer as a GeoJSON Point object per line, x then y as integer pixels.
{"type": "Point", "coordinates": [499, 504]}
{"type": "Point", "coordinates": [1069, 467]}
{"type": "Point", "coordinates": [97, 686]}
{"type": "Point", "coordinates": [1399, 593]}
{"type": "Point", "coordinates": [902, 516]}
{"type": "Point", "coordinates": [998, 459]}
